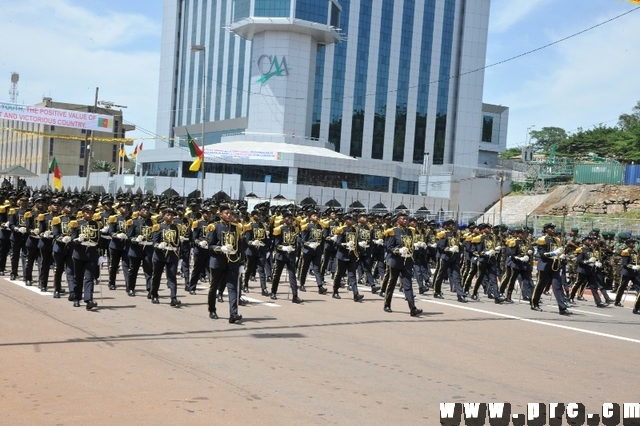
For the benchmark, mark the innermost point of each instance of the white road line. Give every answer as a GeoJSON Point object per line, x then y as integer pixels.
{"type": "Point", "coordinates": [591, 313]}
{"type": "Point", "coordinates": [252, 300]}
{"type": "Point", "coordinates": [549, 324]}
{"type": "Point", "coordinates": [33, 288]}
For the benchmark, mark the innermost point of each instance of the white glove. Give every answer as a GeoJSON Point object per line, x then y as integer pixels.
{"type": "Point", "coordinates": [498, 248]}
{"type": "Point", "coordinates": [379, 242]}
{"type": "Point", "coordinates": [635, 267]}
{"type": "Point", "coordinates": [434, 245]}
{"type": "Point", "coordinates": [349, 246]}
{"type": "Point", "coordinates": [598, 264]}
{"type": "Point", "coordinates": [416, 246]}
{"type": "Point", "coordinates": [22, 230]}
{"type": "Point", "coordinates": [66, 239]}
{"type": "Point", "coordinates": [563, 257]}
{"type": "Point", "coordinates": [47, 234]}
{"type": "Point", "coordinates": [162, 245]}
{"type": "Point", "coordinates": [121, 236]}
{"type": "Point", "coordinates": [363, 244]}
{"type": "Point", "coordinates": [225, 249]}
{"type": "Point", "coordinates": [403, 251]}
{"type": "Point", "coordinates": [203, 244]}
{"type": "Point", "coordinates": [288, 249]}
{"type": "Point", "coordinates": [592, 260]}
{"type": "Point", "coordinates": [334, 238]}
{"type": "Point", "coordinates": [312, 245]}
{"type": "Point", "coordinates": [523, 258]}
{"type": "Point", "coordinates": [490, 253]}
{"type": "Point", "coordinates": [6, 225]}
{"type": "Point", "coordinates": [81, 238]}
{"type": "Point", "coordinates": [454, 249]}
{"type": "Point", "coordinates": [529, 252]}
{"type": "Point", "coordinates": [138, 239]}
{"type": "Point", "coordinates": [35, 232]}
{"type": "Point", "coordinates": [558, 251]}
{"type": "Point", "coordinates": [105, 230]}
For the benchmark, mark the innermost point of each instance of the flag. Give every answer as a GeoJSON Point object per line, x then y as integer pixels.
{"type": "Point", "coordinates": [196, 152]}
{"type": "Point", "coordinates": [122, 154]}
{"type": "Point", "coordinates": [135, 152]}
{"type": "Point", "coordinates": [57, 177]}
{"type": "Point", "coordinates": [140, 147]}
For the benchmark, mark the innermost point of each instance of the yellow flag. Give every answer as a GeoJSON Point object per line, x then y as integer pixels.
{"type": "Point", "coordinates": [195, 166]}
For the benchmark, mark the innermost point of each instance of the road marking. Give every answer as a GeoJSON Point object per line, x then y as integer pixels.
{"type": "Point", "coordinates": [591, 313]}
{"type": "Point", "coordinates": [33, 288]}
{"type": "Point", "coordinates": [252, 300]}
{"type": "Point", "coordinates": [549, 324]}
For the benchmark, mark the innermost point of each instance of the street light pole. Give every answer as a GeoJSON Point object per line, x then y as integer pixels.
{"type": "Point", "coordinates": [201, 48]}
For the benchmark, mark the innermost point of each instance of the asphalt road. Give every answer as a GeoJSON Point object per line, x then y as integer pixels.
{"type": "Point", "coordinates": [323, 362]}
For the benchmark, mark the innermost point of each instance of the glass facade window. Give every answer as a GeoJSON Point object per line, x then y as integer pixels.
{"type": "Point", "coordinates": [382, 83]}
{"type": "Point", "coordinates": [248, 173]}
{"type": "Point", "coordinates": [360, 91]}
{"type": "Point", "coordinates": [408, 187]}
{"type": "Point", "coordinates": [444, 80]}
{"type": "Point", "coordinates": [331, 179]}
{"type": "Point", "coordinates": [50, 146]}
{"type": "Point", "coordinates": [335, 16]}
{"type": "Point", "coordinates": [273, 8]}
{"type": "Point", "coordinates": [402, 99]}
{"type": "Point", "coordinates": [114, 154]}
{"type": "Point", "coordinates": [487, 128]}
{"type": "Point", "coordinates": [313, 10]}
{"type": "Point", "coordinates": [161, 168]}
{"type": "Point", "coordinates": [428, 21]}
{"type": "Point", "coordinates": [242, 9]}
{"type": "Point", "coordinates": [317, 92]}
{"type": "Point", "coordinates": [81, 171]}
{"type": "Point", "coordinates": [337, 85]}
{"type": "Point", "coordinates": [83, 148]}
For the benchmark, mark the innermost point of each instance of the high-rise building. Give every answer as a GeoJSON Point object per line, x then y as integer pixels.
{"type": "Point", "coordinates": [386, 82]}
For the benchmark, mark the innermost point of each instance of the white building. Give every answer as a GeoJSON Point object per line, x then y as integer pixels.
{"type": "Point", "coordinates": [326, 98]}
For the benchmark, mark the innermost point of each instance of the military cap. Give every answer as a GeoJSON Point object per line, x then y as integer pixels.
{"type": "Point", "coordinates": [631, 239]}
{"type": "Point", "coordinates": [88, 207]}
{"type": "Point", "coordinates": [287, 213]}
{"type": "Point", "coordinates": [595, 230]}
{"type": "Point", "coordinates": [575, 230]}
{"type": "Point", "coordinates": [548, 225]}
{"type": "Point", "coordinates": [224, 206]}
{"type": "Point", "coordinates": [448, 222]}
{"type": "Point", "coordinates": [347, 216]}
{"type": "Point", "coordinates": [517, 230]}
{"type": "Point", "coordinates": [169, 210]}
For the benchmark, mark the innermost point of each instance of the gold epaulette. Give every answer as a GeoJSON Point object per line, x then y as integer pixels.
{"type": "Point", "coordinates": [28, 215]}
{"type": "Point", "coordinates": [97, 216]}
{"type": "Point", "coordinates": [194, 224]}
{"type": "Point", "coordinates": [73, 224]}
{"type": "Point", "coordinates": [578, 250]}
{"type": "Point", "coordinates": [155, 227]}
{"type": "Point", "coordinates": [304, 226]}
{"type": "Point", "coordinates": [338, 230]}
{"type": "Point", "coordinates": [3, 209]}
{"type": "Point", "coordinates": [55, 221]}
{"type": "Point", "coordinates": [277, 230]}
{"type": "Point", "coordinates": [130, 222]}
{"type": "Point", "coordinates": [41, 217]}
{"type": "Point", "coordinates": [511, 242]}
{"type": "Point", "coordinates": [243, 227]}
{"type": "Point", "coordinates": [624, 253]}
{"type": "Point", "coordinates": [79, 215]}
{"type": "Point", "coordinates": [441, 234]}
{"type": "Point", "coordinates": [113, 219]}
{"type": "Point", "coordinates": [468, 237]}
{"type": "Point", "coordinates": [476, 239]}
{"type": "Point", "coordinates": [324, 223]}
{"type": "Point", "coordinates": [211, 227]}
{"type": "Point", "coordinates": [12, 211]}
{"type": "Point", "coordinates": [389, 232]}
{"type": "Point", "coordinates": [542, 241]}
{"type": "Point", "coordinates": [135, 215]}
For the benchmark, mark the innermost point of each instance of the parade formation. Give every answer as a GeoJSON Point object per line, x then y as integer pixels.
{"type": "Point", "coordinates": [228, 247]}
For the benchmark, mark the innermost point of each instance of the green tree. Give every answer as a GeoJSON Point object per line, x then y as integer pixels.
{"type": "Point", "coordinates": [102, 166]}
{"type": "Point", "coordinates": [630, 122]}
{"type": "Point", "coordinates": [546, 138]}
{"type": "Point", "coordinates": [511, 152]}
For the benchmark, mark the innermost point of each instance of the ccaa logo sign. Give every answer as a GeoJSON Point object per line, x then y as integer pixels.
{"type": "Point", "coordinates": [269, 66]}
{"type": "Point", "coordinates": [538, 414]}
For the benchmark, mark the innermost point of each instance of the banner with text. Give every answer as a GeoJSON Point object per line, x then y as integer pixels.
{"type": "Point", "coordinates": [56, 117]}
{"type": "Point", "coordinates": [239, 154]}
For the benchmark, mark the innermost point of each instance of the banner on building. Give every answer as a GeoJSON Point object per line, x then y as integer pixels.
{"type": "Point", "coordinates": [56, 117]}
{"type": "Point", "coordinates": [242, 154]}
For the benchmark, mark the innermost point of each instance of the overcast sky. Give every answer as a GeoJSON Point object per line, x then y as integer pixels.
{"type": "Point", "coordinates": [64, 49]}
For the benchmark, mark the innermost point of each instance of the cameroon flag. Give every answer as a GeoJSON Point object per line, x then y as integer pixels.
{"type": "Point", "coordinates": [57, 177]}
{"type": "Point", "coordinates": [196, 152]}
